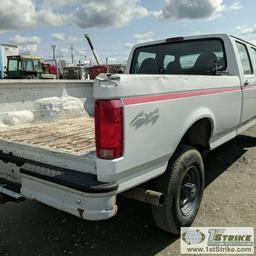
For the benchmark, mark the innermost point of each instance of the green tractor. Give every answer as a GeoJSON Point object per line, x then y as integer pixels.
{"type": "Point", "coordinates": [26, 67]}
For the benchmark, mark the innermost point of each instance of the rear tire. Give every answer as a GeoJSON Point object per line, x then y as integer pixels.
{"type": "Point", "coordinates": [183, 185]}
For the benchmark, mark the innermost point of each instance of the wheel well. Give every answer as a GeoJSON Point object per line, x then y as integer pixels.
{"type": "Point", "coordinates": [198, 135]}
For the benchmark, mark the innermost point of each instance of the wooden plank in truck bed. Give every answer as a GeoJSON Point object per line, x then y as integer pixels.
{"type": "Point", "coordinates": [75, 136]}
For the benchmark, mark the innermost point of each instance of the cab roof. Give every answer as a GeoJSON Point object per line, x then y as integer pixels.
{"type": "Point", "coordinates": [30, 57]}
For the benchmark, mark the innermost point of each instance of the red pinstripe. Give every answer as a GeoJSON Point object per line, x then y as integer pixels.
{"type": "Point", "coordinates": [177, 95]}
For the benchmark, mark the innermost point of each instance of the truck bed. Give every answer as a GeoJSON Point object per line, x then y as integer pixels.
{"type": "Point", "coordinates": [74, 136]}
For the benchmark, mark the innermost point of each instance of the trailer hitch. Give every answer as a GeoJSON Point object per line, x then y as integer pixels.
{"type": "Point", "coordinates": [7, 195]}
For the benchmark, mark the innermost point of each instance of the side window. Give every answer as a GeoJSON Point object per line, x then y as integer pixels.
{"type": "Point", "coordinates": [29, 65]}
{"type": "Point", "coordinates": [37, 65]}
{"type": "Point", "coordinates": [254, 54]}
{"type": "Point", "coordinates": [245, 59]}
{"type": "Point", "coordinates": [13, 65]}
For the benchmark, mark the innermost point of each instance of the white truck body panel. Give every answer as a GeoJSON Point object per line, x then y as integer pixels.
{"type": "Point", "coordinates": [84, 205]}
{"type": "Point", "coordinates": [170, 114]}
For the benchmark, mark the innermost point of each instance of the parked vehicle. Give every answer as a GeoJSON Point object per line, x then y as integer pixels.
{"type": "Point", "coordinates": [5, 51]}
{"type": "Point", "coordinates": [116, 68]}
{"type": "Point", "coordinates": [55, 67]}
{"type": "Point", "coordinates": [27, 67]}
{"type": "Point", "coordinates": [95, 70]}
{"type": "Point", "coordinates": [180, 98]}
{"type": "Point", "coordinates": [50, 68]}
{"type": "Point", "coordinates": [75, 72]}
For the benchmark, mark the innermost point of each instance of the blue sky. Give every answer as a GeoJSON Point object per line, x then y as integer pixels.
{"type": "Point", "coordinates": [116, 25]}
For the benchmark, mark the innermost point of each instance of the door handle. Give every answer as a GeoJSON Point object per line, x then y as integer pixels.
{"type": "Point", "coordinates": [246, 83]}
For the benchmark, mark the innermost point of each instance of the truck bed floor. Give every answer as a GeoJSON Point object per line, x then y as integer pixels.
{"type": "Point", "coordinates": [74, 136]}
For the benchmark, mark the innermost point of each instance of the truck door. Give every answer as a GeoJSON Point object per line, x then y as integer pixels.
{"type": "Point", "coordinates": [248, 79]}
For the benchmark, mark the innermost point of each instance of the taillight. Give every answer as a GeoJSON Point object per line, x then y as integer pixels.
{"type": "Point", "coordinates": [109, 128]}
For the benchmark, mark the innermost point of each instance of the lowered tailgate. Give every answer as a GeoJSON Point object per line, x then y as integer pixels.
{"type": "Point", "coordinates": [56, 165]}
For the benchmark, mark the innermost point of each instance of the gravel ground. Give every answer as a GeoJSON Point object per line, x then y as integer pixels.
{"type": "Point", "coordinates": [32, 229]}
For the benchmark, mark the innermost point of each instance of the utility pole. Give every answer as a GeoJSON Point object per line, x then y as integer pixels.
{"type": "Point", "coordinates": [72, 53]}
{"type": "Point", "coordinates": [53, 52]}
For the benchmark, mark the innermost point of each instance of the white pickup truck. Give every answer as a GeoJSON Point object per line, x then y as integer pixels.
{"type": "Point", "coordinates": [75, 145]}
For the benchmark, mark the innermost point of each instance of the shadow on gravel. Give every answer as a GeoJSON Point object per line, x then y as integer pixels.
{"type": "Point", "coordinates": [31, 228]}
{"type": "Point", "coordinates": [219, 160]}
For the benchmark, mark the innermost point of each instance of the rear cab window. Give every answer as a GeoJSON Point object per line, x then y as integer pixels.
{"type": "Point", "coordinates": [198, 57]}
